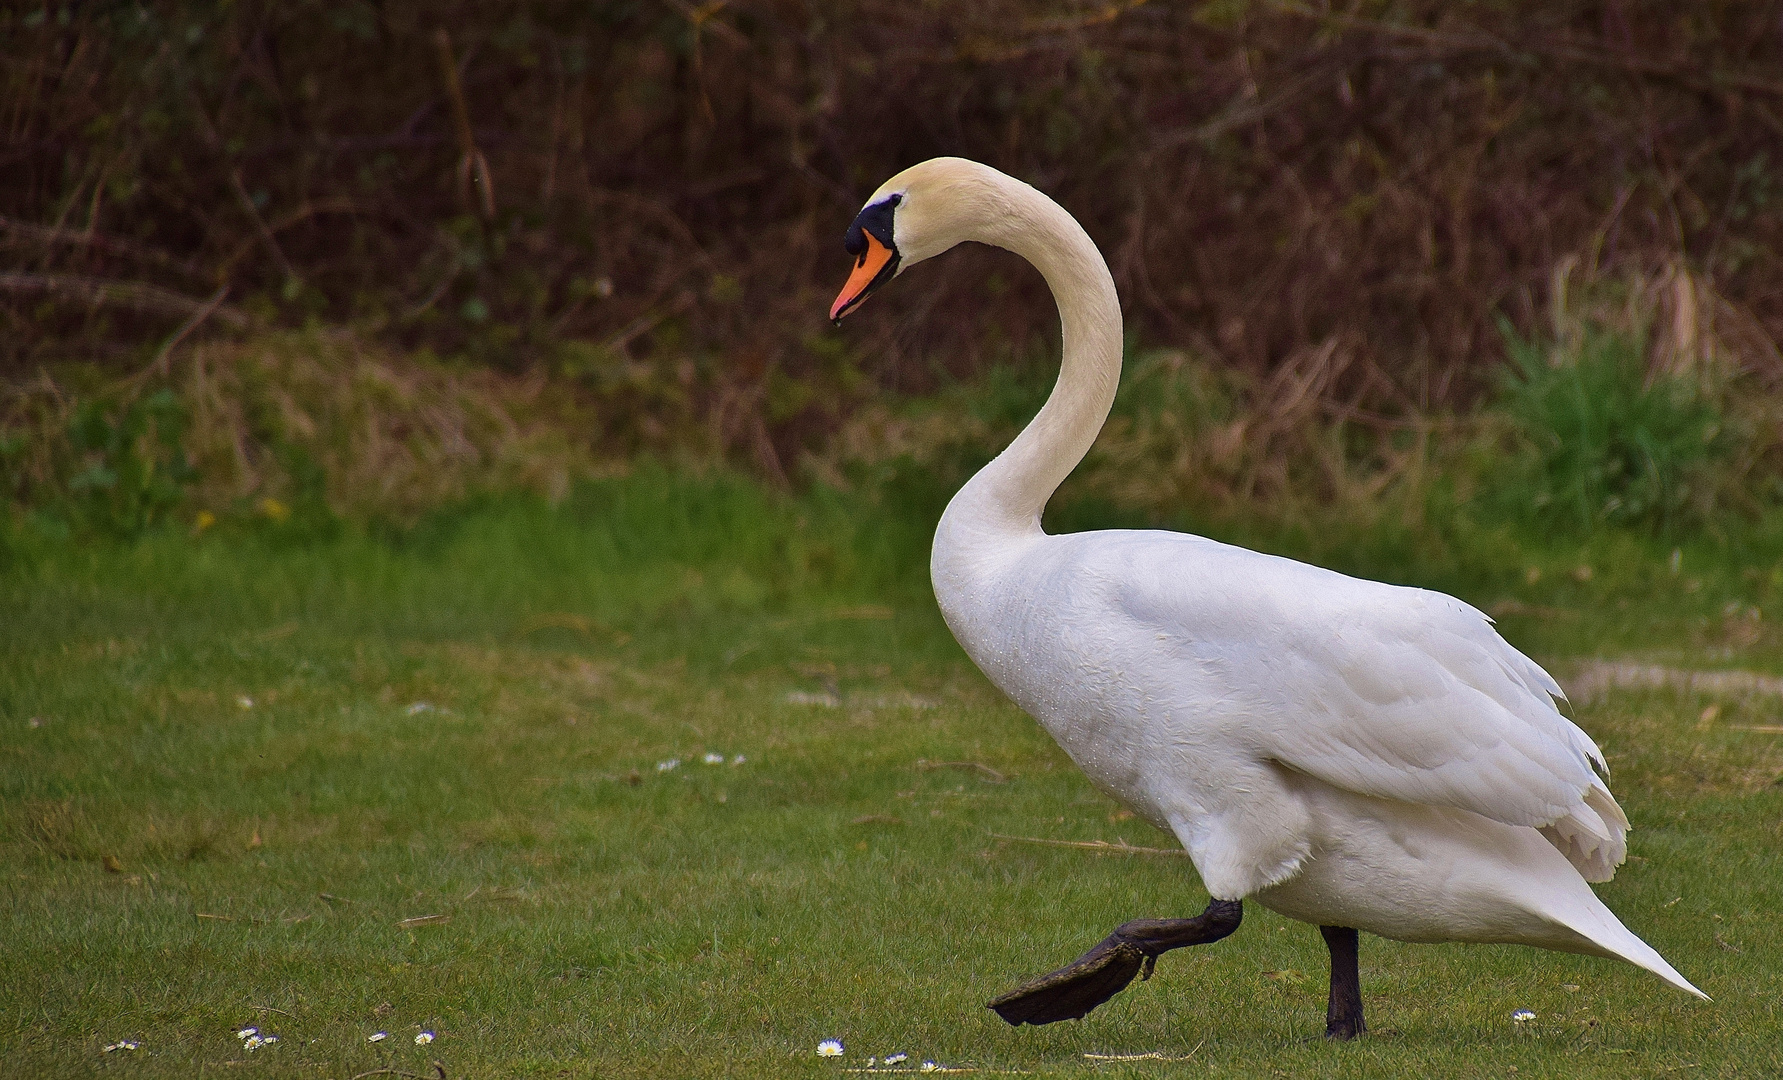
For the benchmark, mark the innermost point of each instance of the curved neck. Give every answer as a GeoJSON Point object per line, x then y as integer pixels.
{"type": "Point", "coordinates": [1009, 494]}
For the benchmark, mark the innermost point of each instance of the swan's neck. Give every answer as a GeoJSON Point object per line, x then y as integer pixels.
{"type": "Point", "coordinates": [1008, 495]}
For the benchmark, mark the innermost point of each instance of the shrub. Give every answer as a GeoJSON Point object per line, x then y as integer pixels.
{"type": "Point", "coordinates": [1604, 441]}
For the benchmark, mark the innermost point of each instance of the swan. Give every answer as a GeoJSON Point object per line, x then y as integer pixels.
{"type": "Point", "coordinates": [1351, 754]}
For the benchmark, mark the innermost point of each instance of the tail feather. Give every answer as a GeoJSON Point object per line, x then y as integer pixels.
{"type": "Point", "coordinates": [1593, 836]}
{"type": "Point", "coordinates": [1599, 926]}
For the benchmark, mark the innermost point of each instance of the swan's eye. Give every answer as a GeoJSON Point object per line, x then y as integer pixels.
{"type": "Point", "coordinates": [875, 220]}
{"type": "Point", "coordinates": [875, 253]}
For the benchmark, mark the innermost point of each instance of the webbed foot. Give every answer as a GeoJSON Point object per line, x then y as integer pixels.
{"type": "Point", "coordinates": [1086, 982]}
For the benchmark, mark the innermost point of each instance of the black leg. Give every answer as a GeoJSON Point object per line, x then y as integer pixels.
{"type": "Point", "coordinates": [1105, 970]}
{"type": "Point", "coordinates": [1343, 1014]}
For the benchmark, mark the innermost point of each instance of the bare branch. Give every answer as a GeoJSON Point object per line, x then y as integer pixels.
{"type": "Point", "coordinates": [53, 235]}
{"type": "Point", "coordinates": [131, 294]}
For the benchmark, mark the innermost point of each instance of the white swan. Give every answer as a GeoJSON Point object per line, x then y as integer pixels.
{"type": "Point", "coordinates": [1348, 753]}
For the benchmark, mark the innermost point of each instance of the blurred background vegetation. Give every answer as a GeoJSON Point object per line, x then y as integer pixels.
{"type": "Point", "coordinates": [284, 266]}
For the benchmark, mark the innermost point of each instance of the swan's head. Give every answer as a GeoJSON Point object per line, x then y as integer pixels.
{"type": "Point", "coordinates": [917, 215]}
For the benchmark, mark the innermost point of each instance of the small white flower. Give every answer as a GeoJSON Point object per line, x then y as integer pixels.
{"type": "Point", "coordinates": [424, 1038]}
{"type": "Point", "coordinates": [268, 1040]}
{"type": "Point", "coordinates": [830, 1048]}
{"type": "Point", "coordinates": [671, 763]}
{"type": "Point", "coordinates": [1522, 1016]}
{"type": "Point", "coordinates": [245, 701]}
{"type": "Point", "coordinates": [379, 1037]}
{"type": "Point", "coordinates": [253, 1042]}
{"type": "Point", "coordinates": [713, 759]}
{"type": "Point", "coordinates": [929, 1066]}
{"type": "Point", "coordinates": [738, 760]}
{"type": "Point", "coordinates": [247, 1031]}
{"type": "Point", "coordinates": [419, 707]}
{"type": "Point", "coordinates": [123, 1044]}
{"type": "Point", "coordinates": [872, 1061]}
{"type": "Point", "coordinates": [896, 1059]}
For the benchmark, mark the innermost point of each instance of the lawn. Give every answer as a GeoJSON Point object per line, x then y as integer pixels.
{"type": "Point", "coordinates": [426, 782]}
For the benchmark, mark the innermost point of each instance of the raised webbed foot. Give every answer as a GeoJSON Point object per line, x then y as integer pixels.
{"type": "Point", "coordinates": [1086, 982]}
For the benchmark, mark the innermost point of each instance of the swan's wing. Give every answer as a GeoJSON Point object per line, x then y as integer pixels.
{"type": "Point", "coordinates": [1415, 697]}
{"type": "Point", "coordinates": [1386, 691]}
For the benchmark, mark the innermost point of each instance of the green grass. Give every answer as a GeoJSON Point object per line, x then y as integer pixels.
{"type": "Point", "coordinates": [609, 919]}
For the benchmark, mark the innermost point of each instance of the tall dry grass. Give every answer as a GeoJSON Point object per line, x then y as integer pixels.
{"type": "Point", "coordinates": [328, 424]}
{"type": "Point", "coordinates": [314, 421]}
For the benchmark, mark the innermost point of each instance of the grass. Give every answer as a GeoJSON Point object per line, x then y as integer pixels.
{"type": "Point", "coordinates": [232, 766]}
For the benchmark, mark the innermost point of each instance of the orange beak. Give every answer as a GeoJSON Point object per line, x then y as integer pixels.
{"type": "Point", "coordinates": [868, 270]}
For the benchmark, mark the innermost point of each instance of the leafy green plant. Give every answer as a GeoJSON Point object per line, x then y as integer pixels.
{"type": "Point", "coordinates": [130, 469]}
{"type": "Point", "coordinates": [1606, 441]}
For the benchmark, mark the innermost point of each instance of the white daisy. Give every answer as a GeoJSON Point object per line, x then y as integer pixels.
{"type": "Point", "coordinates": [253, 1042]}
{"type": "Point", "coordinates": [896, 1059]}
{"type": "Point", "coordinates": [424, 1038]}
{"type": "Point", "coordinates": [379, 1037]}
{"type": "Point", "coordinates": [713, 759]}
{"type": "Point", "coordinates": [830, 1048]}
{"type": "Point", "coordinates": [247, 1031]}
{"type": "Point", "coordinates": [1522, 1016]}
{"type": "Point", "coordinates": [123, 1044]}
{"type": "Point", "coordinates": [738, 760]}
{"type": "Point", "coordinates": [671, 763]}
{"type": "Point", "coordinates": [245, 701]}
{"type": "Point", "coordinates": [929, 1066]}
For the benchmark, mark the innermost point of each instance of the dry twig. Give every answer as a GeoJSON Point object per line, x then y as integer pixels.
{"type": "Point", "coordinates": [473, 167]}
{"type": "Point", "coordinates": [985, 772]}
{"type": "Point", "coordinates": [1122, 848]}
{"type": "Point", "coordinates": [131, 294]}
{"type": "Point", "coordinates": [439, 1073]}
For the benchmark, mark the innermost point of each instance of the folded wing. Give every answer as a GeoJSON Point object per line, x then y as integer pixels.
{"type": "Point", "coordinates": [1401, 694]}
